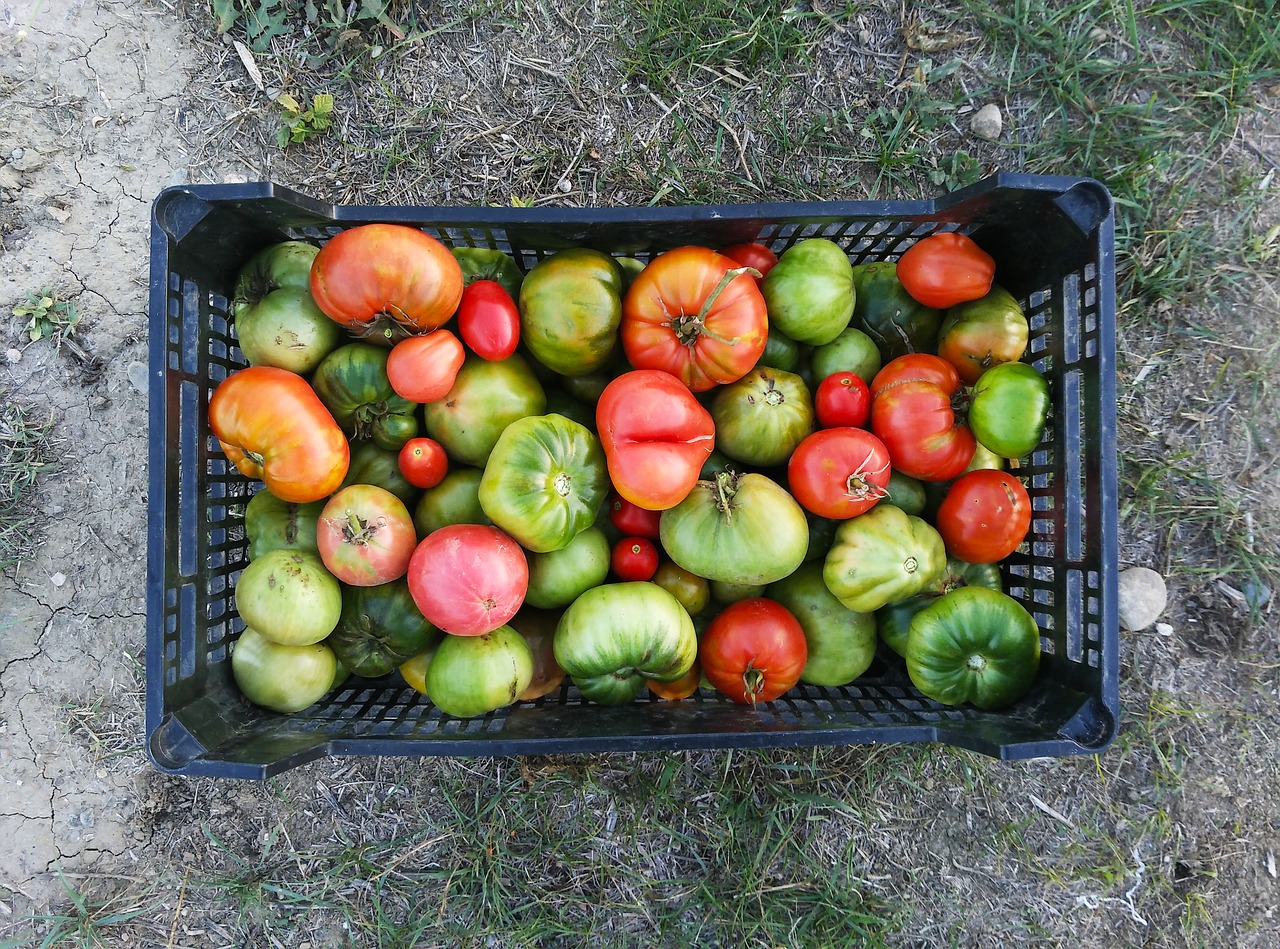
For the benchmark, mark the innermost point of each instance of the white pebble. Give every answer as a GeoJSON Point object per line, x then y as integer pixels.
{"type": "Point", "coordinates": [13, 356]}
{"type": "Point", "coordinates": [1143, 596]}
{"type": "Point", "coordinates": [58, 579]}
{"type": "Point", "coordinates": [987, 122]}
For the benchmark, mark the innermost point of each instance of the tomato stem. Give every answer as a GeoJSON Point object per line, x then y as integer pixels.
{"type": "Point", "coordinates": [688, 327]}
{"type": "Point", "coordinates": [752, 682]}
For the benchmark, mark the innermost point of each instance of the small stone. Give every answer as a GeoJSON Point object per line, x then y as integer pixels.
{"type": "Point", "coordinates": [58, 579]}
{"type": "Point", "coordinates": [1164, 629]}
{"type": "Point", "coordinates": [987, 122]}
{"type": "Point", "coordinates": [13, 356]}
{"type": "Point", "coordinates": [564, 186]}
{"type": "Point", "coordinates": [137, 373]}
{"type": "Point", "coordinates": [17, 154]}
{"type": "Point", "coordinates": [1143, 597]}
{"type": "Point", "coordinates": [61, 215]}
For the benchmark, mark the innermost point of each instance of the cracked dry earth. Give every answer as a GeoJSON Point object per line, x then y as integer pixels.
{"type": "Point", "coordinates": [87, 95]}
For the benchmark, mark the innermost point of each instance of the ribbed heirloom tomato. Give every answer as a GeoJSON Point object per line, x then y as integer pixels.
{"type": "Point", "coordinates": [912, 413]}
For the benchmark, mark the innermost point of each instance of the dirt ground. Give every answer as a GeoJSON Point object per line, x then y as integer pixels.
{"type": "Point", "coordinates": [100, 108]}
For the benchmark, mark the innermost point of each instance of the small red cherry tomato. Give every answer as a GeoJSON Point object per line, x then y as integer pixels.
{"type": "Point", "coordinates": [632, 519]}
{"type": "Point", "coordinates": [842, 399]}
{"type": "Point", "coordinates": [423, 462]}
{"type": "Point", "coordinates": [489, 320]}
{"type": "Point", "coordinates": [756, 256]}
{"type": "Point", "coordinates": [634, 558]}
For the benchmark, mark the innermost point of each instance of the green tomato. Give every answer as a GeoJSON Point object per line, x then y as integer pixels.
{"type": "Point", "coordinates": [380, 628]}
{"type": "Point", "coordinates": [289, 596]}
{"type": "Point", "coordinates": [481, 263]}
{"type": "Point", "coordinates": [586, 388]}
{"type": "Point", "coordinates": [352, 383]}
{"type": "Point", "coordinates": [896, 323]}
{"type": "Point", "coordinates": [570, 310]}
{"type": "Point", "coordinates": [810, 291]}
{"type": "Point", "coordinates": [851, 351]}
{"type": "Point", "coordinates": [455, 500]}
{"type": "Point", "coordinates": [287, 330]}
{"type": "Point", "coordinates": [284, 678]}
{"type": "Point", "coordinates": [272, 524]}
{"type": "Point", "coordinates": [558, 577]}
{"type": "Point", "coordinates": [544, 481]}
{"type": "Point", "coordinates": [842, 642]}
{"type": "Point", "coordinates": [905, 492]}
{"type": "Point", "coordinates": [631, 268]}
{"type": "Point", "coordinates": [560, 402]}
{"type": "Point", "coordinates": [486, 397]}
{"type": "Point", "coordinates": [615, 636]}
{"type": "Point", "coordinates": [762, 417]}
{"type": "Point", "coordinates": [822, 534]}
{"type": "Point", "coordinates": [780, 351]}
{"type": "Point", "coordinates": [736, 528]}
{"type": "Point", "coordinates": [475, 675]}
{"type": "Point", "coordinates": [882, 556]}
{"type": "Point", "coordinates": [894, 620]}
{"type": "Point", "coordinates": [1008, 407]}
{"type": "Point", "coordinates": [372, 464]}
{"type": "Point", "coordinates": [974, 645]}
{"type": "Point", "coordinates": [284, 264]}
{"type": "Point", "coordinates": [727, 594]}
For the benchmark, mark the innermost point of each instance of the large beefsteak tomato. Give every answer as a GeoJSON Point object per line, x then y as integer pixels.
{"type": "Point", "coordinates": [913, 414]}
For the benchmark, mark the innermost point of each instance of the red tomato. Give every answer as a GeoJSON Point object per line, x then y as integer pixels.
{"type": "Point", "coordinates": [839, 472]}
{"type": "Point", "coordinates": [753, 651]}
{"type": "Point", "coordinates": [633, 520]}
{"type": "Point", "coordinates": [423, 462]}
{"type": "Point", "coordinates": [386, 281]}
{"type": "Point", "coordinates": [911, 412]}
{"type": "Point", "coordinates": [365, 536]}
{"type": "Point", "coordinates": [944, 269]}
{"type": "Point", "coordinates": [656, 437]}
{"type": "Point", "coordinates": [634, 558]}
{"type": "Point", "coordinates": [272, 425]}
{"type": "Point", "coordinates": [756, 256]}
{"type": "Point", "coordinates": [842, 399]}
{"type": "Point", "coordinates": [985, 516]}
{"type": "Point", "coordinates": [489, 320]}
{"type": "Point", "coordinates": [468, 579]}
{"type": "Point", "coordinates": [687, 314]}
{"type": "Point", "coordinates": [423, 368]}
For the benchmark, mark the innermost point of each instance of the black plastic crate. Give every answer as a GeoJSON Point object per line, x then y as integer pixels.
{"type": "Point", "coordinates": [1053, 242]}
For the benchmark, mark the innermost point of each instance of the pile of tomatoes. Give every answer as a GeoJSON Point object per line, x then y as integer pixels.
{"type": "Point", "coordinates": [718, 468]}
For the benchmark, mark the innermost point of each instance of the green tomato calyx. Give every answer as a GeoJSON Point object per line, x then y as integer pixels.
{"type": "Point", "coordinates": [752, 683]}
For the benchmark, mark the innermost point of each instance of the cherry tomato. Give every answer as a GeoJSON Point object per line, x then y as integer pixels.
{"type": "Point", "coordinates": [842, 399]}
{"type": "Point", "coordinates": [839, 473]}
{"type": "Point", "coordinates": [753, 651]}
{"type": "Point", "coordinates": [489, 320]}
{"type": "Point", "coordinates": [985, 516]}
{"type": "Point", "coordinates": [423, 462]}
{"type": "Point", "coordinates": [634, 558]}
{"type": "Point", "coordinates": [944, 269]}
{"type": "Point", "coordinates": [423, 368]}
{"type": "Point", "coordinates": [632, 519]}
{"type": "Point", "coordinates": [756, 256]}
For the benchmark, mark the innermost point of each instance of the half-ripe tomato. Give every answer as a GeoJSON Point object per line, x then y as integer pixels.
{"type": "Point", "coordinates": [272, 425]}
{"type": "Point", "coordinates": [839, 472]}
{"type": "Point", "coordinates": [423, 462]}
{"type": "Point", "coordinates": [632, 519]}
{"type": "Point", "coordinates": [681, 688]}
{"type": "Point", "coordinates": [424, 368]}
{"type": "Point", "coordinates": [634, 558]}
{"type": "Point", "coordinates": [944, 269]}
{"type": "Point", "coordinates": [842, 399]}
{"type": "Point", "coordinates": [755, 255]}
{"type": "Point", "coordinates": [913, 414]}
{"type": "Point", "coordinates": [985, 516]}
{"type": "Point", "coordinates": [489, 320]}
{"type": "Point", "coordinates": [695, 314]}
{"type": "Point", "coordinates": [468, 579]}
{"type": "Point", "coordinates": [753, 651]}
{"type": "Point", "coordinates": [386, 281]}
{"type": "Point", "coordinates": [365, 535]}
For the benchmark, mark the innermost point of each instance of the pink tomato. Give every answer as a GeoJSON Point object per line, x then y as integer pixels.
{"type": "Point", "coordinates": [468, 579]}
{"type": "Point", "coordinates": [365, 535]}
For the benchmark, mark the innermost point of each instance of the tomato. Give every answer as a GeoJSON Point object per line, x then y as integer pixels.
{"type": "Point", "coordinates": [838, 473]}
{"type": "Point", "coordinates": [1008, 408]}
{"type": "Point", "coordinates": [810, 293]}
{"type": "Point", "coordinates": [373, 465]}
{"type": "Point", "coordinates": [691, 590]}
{"type": "Point", "coordinates": [881, 557]}
{"type": "Point", "coordinates": [762, 417]}
{"type": "Point", "coordinates": [570, 309]}
{"type": "Point", "coordinates": [754, 255]}
{"type": "Point", "coordinates": [895, 322]}
{"type": "Point", "coordinates": [380, 629]}
{"type": "Point", "coordinates": [423, 462]}
{"type": "Point", "coordinates": [632, 519]}
{"type": "Point", "coordinates": [489, 320]}
{"type": "Point", "coordinates": [893, 622]}
{"type": "Point", "coordinates": [414, 669]}
{"type": "Point", "coordinates": [272, 425]}
{"type": "Point", "coordinates": [486, 397]}
{"type": "Point", "coordinates": [365, 536]}
{"type": "Point", "coordinates": [842, 399]}
{"type": "Point", "coordinates": [983, 333]}
{"type": "Point", "coordinates": [475, 675]}
{"type": "Point", "coordinates": [272, 524]}
{"type": "Point", "coordinates": [455, 500]}
{"type": "Point", "coordinates": [656, 437]}
{"type": "Point", "coordinates": [386, 281]}
{"type": "Point", "coordinates": [284, 264]}
{"type": "Point", "coordinates": [852, 351]}
{"type": "Point", "coordinates": [285, 329]}
{"type": "Point", "coordinates": [423, 368]}
{"type": "Point", "coordinates": [468, 579]}
{"type": "Point", "coordinates": [482, 263]}
{"type": "Point", "coordinates": [680, 688]}
{"type": "Point", "coordinates": [780, 352]}
{"type": "Point", "coordinates": [944, 269]}
{"type": "Point", "coordinates": [727, 593]}
{"type": "Point", "coordinates": [696, 315]}
{"type": "Point", "coordinates": [912, 413]}
{"type": "Point", "coordinates": [284, 678]}
{"type": "Point", "coordinates": [538, 627]}
{"type": "Point", "coordinates": [841, 642]}
{"type": "Point", "coordinates": [753, 651]}
{"type": "Point", "coordinates": [352, 382]}
{"type": "Point", "coordinates": [906, 492]}
{"type": "Point", "coordinates": [289, 597]}
{"type": "Point", "coordinates": [634, 558]}
{"type": "Point", "coordinates": [985, 516]}
{"type": "Point", "coordinates": [558, 577]}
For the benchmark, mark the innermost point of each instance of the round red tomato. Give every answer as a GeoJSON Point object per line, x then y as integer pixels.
{"type": "Point", "coordinates": [424, 368]}
{"type": "Point", "coordinates": [634, 558]}
{"type": "Point", "coordinates": [365, 535]}
{"type": "Point", "coordinates": [839, 473]}
{"type": "Point", "coordinates": [423, 462]}
{"type": "Point", "coordinates": [632, 519]}
{"type": "Point", "coordinates": [756, 256]}
{"type": "Point", "coordinates": [985, 516]}
{"type": "Point", "coordinates": [688, 313]}
{"type": "Point", "coordinates": [912, 413]}
{"type": "Point", "coordinates": [753, 651]}
{"type": "Point", "coordinates": [842, 399]}
{"type": "Point", "coordinates": [489, 320]}
{"type": "Point", "coordinates": [468, 579]}
{"type": "Point", "coordinates": [944, 269]}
